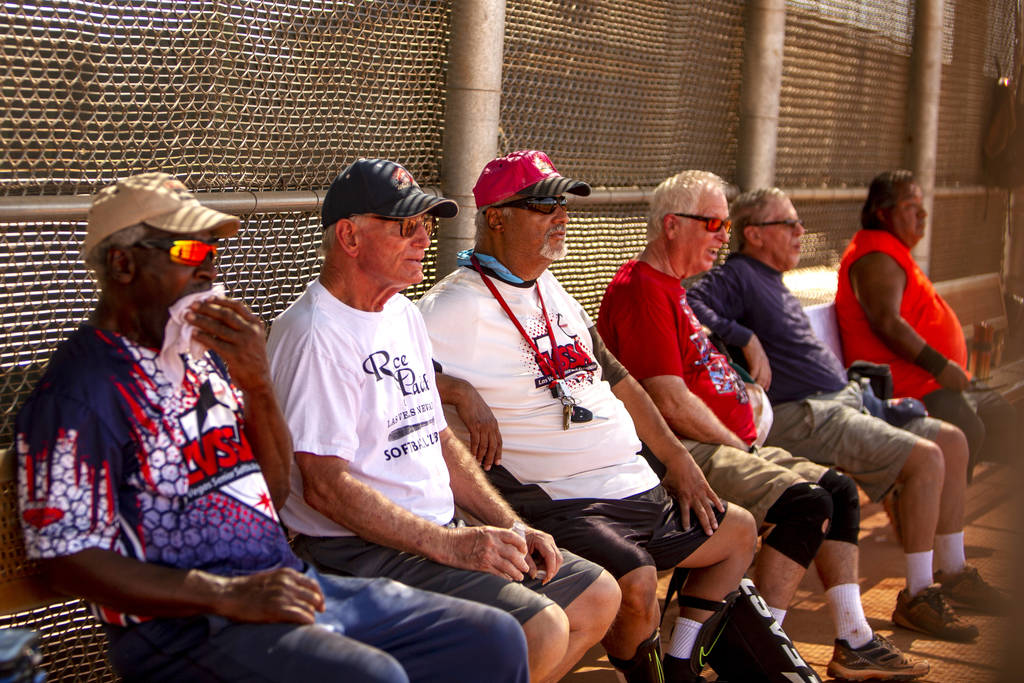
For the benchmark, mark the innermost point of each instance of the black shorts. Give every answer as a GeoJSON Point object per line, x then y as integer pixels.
{"type": "Point", "coordinates": [353, 556]}
{"type": "Point", "coordinates": [642, 530]}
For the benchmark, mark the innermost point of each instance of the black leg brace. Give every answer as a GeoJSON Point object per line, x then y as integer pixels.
{"type": "Point", "coordinates": [800, 516]}
{"type": "Point", "coordinates": [645, 666]}
{"type": "Point", "coordinates": [845, 507]}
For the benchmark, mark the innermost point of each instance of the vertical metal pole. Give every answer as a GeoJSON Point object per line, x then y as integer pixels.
{"type": "Point", "coordinates": [764, 39]}
{"type": "Point", "coordinates": [923, 119]}
{"type": "Point", "coordinates": [472, 112]}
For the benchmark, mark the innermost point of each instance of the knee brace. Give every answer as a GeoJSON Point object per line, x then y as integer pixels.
{"type": "Point", "coordinates": [645, 665]}
{"type": "Point", "coordinates": [800, 516]}
{"type": "Point", "coordinates": [845, 507]}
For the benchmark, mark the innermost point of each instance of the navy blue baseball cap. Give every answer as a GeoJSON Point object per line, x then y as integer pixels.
{"type": "Point", "coordinates": [382, 188]}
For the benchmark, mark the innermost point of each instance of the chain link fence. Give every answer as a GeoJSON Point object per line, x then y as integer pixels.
{"type": "Point", "coordinates": [275, 96]}
{"type": "Point", "coordinates": [266, 95]}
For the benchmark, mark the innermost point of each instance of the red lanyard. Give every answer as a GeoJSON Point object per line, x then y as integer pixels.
{"type": "Point", "coordinates": [549, 367]}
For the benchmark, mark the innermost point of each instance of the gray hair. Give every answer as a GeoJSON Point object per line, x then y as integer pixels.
{"type": "Point", "coordinates": [679, 193]}
{"type": "Point", "coordinates": [326, 240]}
{"type": "Point", "coordinates": [884, 192]}
{"type": "Point", "coordinates": [480, 221]}
{"type": "Point", "coordinates": [749, 208]}
{"type": "Point", "coordinates": [96, 259]}
{"type": "Point", "coordinates": [330, 235]}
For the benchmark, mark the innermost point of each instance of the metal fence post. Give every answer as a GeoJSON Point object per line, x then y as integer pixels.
{"type": "Point", "coordinates": [764, 39]}
{"type": "Point", "coordinates": [472, 112]}
{"type": "Point", "coordinates": [923, 115]}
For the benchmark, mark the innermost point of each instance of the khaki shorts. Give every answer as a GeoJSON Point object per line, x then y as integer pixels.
{"type": "Point", "coordinates": [831, 429]}
{"type": "Point", "coordinates": [752, 480]}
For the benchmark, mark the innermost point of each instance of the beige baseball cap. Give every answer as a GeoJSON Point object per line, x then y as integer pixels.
{"type": "Point", "coordinates": [156, 199]}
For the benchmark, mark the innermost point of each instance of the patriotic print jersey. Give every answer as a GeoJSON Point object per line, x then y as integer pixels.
{"type": "Point", "coordinates": [112, 456]}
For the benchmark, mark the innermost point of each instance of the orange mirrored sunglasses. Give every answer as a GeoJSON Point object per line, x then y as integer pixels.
{"type": "Point", "coordinates": [185, 252]}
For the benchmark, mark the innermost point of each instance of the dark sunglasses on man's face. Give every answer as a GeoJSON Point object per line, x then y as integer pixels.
{"type": "Point", "coordinates": [789, 223]}
{"type": "Point", "coordinates": [185, 252]}
{"type": "Point", "coordinates": [545, 205]}
{"type": "Point", "coordinates": [710, 224]}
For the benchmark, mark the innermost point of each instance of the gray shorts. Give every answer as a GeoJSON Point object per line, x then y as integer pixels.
{"type": "Point", "coordinates": [752, 480]}
{"type": "Point", "coordinates": [831, 429]}
{"type": "Point", "coordinates": [353, 556]}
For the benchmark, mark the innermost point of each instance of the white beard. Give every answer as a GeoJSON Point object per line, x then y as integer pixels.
{"type": "Point", "coordinates": [553, 253]}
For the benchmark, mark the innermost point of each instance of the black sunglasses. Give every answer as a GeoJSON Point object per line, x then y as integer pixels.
{"type": "Point", "coordinates": [545, 205]}
{"type": "Point", "coordinates": [710, 224]}
{"type": "Point", "coordinates": [789, 223]}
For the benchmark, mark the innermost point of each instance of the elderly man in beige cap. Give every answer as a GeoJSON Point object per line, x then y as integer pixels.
{"type": "Point", "coordinates": [152, 459]}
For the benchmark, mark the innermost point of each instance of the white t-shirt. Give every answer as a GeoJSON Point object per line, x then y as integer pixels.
{"type": "Point", "coordinates": [359, 386]}
{"type": "Point", "coordinates": [474, 340]}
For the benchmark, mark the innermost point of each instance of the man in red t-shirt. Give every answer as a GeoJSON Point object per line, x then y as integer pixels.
{"type": "Point", "coordinates": [648, 325]}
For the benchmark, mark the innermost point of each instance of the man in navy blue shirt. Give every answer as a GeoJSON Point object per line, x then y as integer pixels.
{"type": "Point", "coordinates": [818, 414]}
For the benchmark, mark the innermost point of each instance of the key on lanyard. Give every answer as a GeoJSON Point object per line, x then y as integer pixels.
{"type": "Point", "coordinates": [560, 390]}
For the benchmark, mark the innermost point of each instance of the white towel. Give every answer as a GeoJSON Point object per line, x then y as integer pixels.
{"type": "Point", "coordinates": [763, 413]}
{"type": "Point", "coordinates": [178, 336]}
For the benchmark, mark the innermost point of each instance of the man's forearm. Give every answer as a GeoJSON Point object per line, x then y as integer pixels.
{"type": "Point", "coordinates": [333, 492]}
{"type": "Point", "coordinates": [687, 415]}
{"type": "Point", "coordinates": [133, 587]}
{"type": "Point", "coordinates": [469, 485]}
{"type": "Point", "coordinates": [650, 425]}
{"type": "Point", "coordinates": [270, 440]}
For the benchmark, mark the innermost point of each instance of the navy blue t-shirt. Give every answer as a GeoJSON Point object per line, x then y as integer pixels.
{"type": "Point", "coordinates": [745, 296]}
{"type": "Point", "coordinates": [112, 456]}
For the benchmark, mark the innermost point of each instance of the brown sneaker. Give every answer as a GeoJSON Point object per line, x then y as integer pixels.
{"type": "Point", "coordinates": [968, 589]}
{"type": "Point", "coordinates": [928, 612]}
{"type": "Point", "coordinates": [878, 659]}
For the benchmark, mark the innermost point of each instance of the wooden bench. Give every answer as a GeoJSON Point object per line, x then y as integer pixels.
{"type": "Point", "coordinates": [977, 300]}
{"type": "Point", "coordinates": [72, 641]}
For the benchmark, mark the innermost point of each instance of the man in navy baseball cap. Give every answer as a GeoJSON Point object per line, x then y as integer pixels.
{"type": "Point", "coordinates": [382, 188]}
{"type": "Point", "coordinates": [377, 473]}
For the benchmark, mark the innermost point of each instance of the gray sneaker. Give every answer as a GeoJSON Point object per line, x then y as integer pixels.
{"type": "Point", "coordinates": [928, 612]}
{"type": "Point", "coordinates": [877, 659]}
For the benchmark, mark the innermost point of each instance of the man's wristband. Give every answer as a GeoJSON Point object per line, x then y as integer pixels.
{"type": "Point", "coordinates": [931, 361]}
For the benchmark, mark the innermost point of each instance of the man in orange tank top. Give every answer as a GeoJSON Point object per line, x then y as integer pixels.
{"type": "Point", "coordinates": [889, 312]}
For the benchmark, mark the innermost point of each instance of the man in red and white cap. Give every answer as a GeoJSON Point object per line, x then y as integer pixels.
{"type": "Point", "coordinates": [378, 474]}
{"type": "Point", "coordinates": [572, 419]}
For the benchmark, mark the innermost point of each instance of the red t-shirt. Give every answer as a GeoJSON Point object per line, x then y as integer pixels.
{"type": "Point", "coordinates": [646, 323]}
{"type": "Point", "coordinates": [921, 306]}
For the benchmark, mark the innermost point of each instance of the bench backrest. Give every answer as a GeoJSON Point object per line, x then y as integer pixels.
{"type": "Point", "coordinates": [826, 325]}
{"type": "Point", "coordinates": [975, 299]}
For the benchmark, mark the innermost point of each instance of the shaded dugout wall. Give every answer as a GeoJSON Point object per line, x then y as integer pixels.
{"type": "Point", "coordinates": [267, 96]}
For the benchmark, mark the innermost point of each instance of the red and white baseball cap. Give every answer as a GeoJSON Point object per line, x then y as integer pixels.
{"type": "Point", "coordinates": [529, 173]}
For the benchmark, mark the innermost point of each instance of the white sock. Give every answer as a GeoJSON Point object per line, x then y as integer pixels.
{"type": "Point", "coordinates": [684, 636]}
{"type": "Point", "coordinates": [919, 571]}
{"type": "Point", "coordinates": [949, 553]}
{"type": "Point", "coordinates": [779, 614]}
{"type": "Point", "coordinates": [848, 614]}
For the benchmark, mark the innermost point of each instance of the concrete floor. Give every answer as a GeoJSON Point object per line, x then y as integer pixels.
{"type": "Point", "coordinates": [994, 514]}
